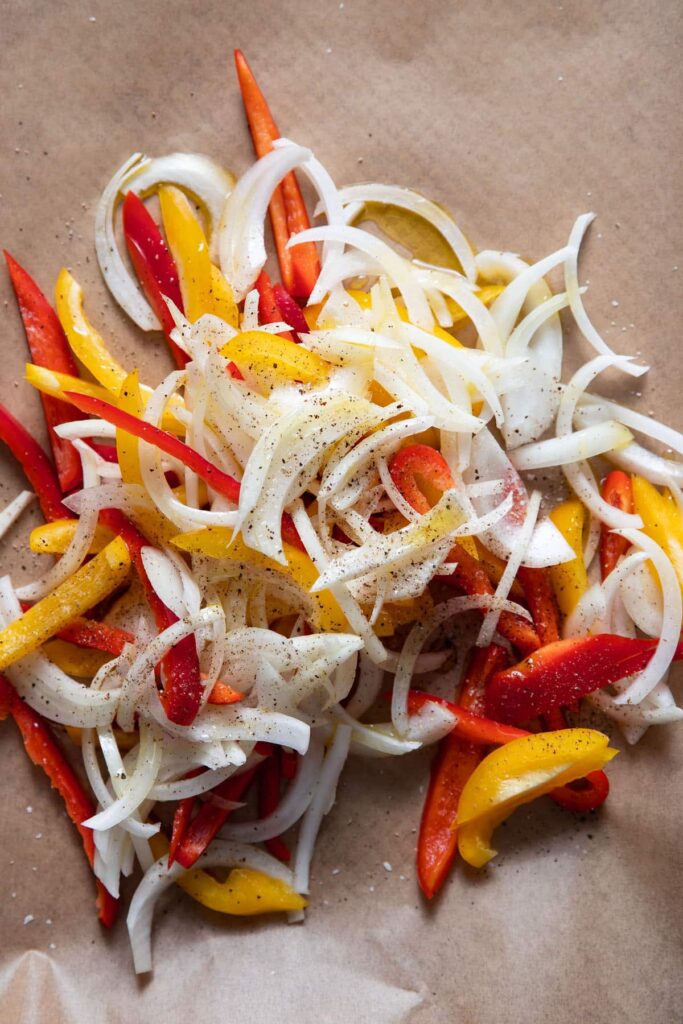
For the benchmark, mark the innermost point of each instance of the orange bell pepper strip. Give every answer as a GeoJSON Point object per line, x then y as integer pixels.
{"type": "Point", "coordinates": [44, 751]}
{"type": "Point", "coordinates": [617, 491]}
{"type": "Point", "coordinates": [37, 467]}
{"type": "Point", "coordinates": [299, 266]}
{"type": "Point", "coordinates": [422, 475]}
{"type": "Point", "coordinates": [454, 763]}
{"type": "Point", "coordinates": [49, 348]}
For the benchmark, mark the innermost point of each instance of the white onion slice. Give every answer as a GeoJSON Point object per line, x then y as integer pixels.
{"type": "Point", "coordinates": [137, 786]}
{"type": "Point", "coordinates": [581, 444]}
{"type": "Point", "coordinates": [13, 510]}
{"type": "Point", "coordinates": [642, 600]}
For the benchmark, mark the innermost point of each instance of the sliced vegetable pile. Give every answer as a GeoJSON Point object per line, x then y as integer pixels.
{"type": "Point", "coordinates": [332, 492]}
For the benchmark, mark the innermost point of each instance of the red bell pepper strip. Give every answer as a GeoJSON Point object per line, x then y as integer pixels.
{"type": "Point", "coordinates": [105, 451]}
{"type": "Point", "coordinates": [181, 818]}
{"type": "Point", "coordinates": [617, 491]}
{"type": "Point", "coordinates": [469, 726]}
{"type": "Point", "coordinates": [268, 310]}
{"type": "Point", "coordinates": [37, 468]}
{"type": "Point", "coordinates": [289, 762]}
{"type": "Point", "coordinates": [584, 795]}
{"type": "Point", "coordinates": [221, 482]}
{"type": "Point", "coordinates": [213, 814]}
{"type": "Point", "coordinates": [96, 636]}
{"type": "Point", "coordinates": [300, 265]}
{"type": "Point", "coordinates": [291, 312]}
{"type": "Point", "coordinates": [49, 348]}
{"type": "Point", "coordinates": [268, 798]}
{"type": "Point", "coordinates": [565, 671]}
{"type": "Point", "coordinates": [183, 686]}
{"type": "Point", "coordinates": [422, 475]}
{"type": "Point", "coordinates": [540, 599]}
{"type": "Point", "coordinates": [43, 749]}
{"type": "Point", "coordinates": [154, 266]}
{"type": "Point", "coordinates": [451, 768]}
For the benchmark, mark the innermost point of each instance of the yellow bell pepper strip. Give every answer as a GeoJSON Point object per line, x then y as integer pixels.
{"type": "Point", "coordinates": [273, 360]}
{"type": "Point", "coordinates": [569, 579]}
{"type": "Point", "coordinates": [422, 475]}
{"type": "Point", "coordinates": [560, 673]}
{"type": "Point", "coordinates": [48, 347]}
{"type": "Point", "coordinates": [54, 538]}
{"type": "Point", "coordinates": [299, 266]}
{"type": "Point", "coordinates": [86, 343]}
{"type": "Point", "coordinates": [44, 751]}
{"type": "Point", "coordinates": [36, 466]}
{"type": "Point", "coordinates": [124, 740]}
{"type": "Point", "coordinates": [217, 542]}
{"type": "Point", "coordinates": [516, 774]}
{"type": "Point", "coordinates": [616, 490]}
{"type": "Point", "coordinates": [93, 635]}
{"type": "Point", "coordinates": [203, 287]}
{"type": "Point", "coordinates": [486, 294]}
{"type": "Point", "coordinates": [661, 521]}
{"type": "Point", "coordinates": [74, 660]}
{"type": "Point", "coordinates": [86, 587]}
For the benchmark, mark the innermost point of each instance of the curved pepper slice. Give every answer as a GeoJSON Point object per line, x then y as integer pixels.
{"type": "Point", "coordinates": [569, 579]}
{"type": "Point", "coordinates": [559, 674]}
{"type": "Point", "coordinates": [36, 466]}
{"type": "Point", "coordinates": [86, 587]}
{"type": "Point", "coordinates": [274, 360]}
{"type": "Point", "coordinates": [87, 344]}
{"type": "Point", "coordinates": [244, 893]}
{"type": "Point", "coordinates": [661, 521]}
{"type": "Point", "coordinates": [518, 773]}
{"type": "Point", "coordinates": [54, 538]}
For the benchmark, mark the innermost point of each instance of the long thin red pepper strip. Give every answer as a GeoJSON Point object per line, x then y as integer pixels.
{"type": "Point", "coordinates": [105, 451]}
{"type": "Point", "coordinates": [268, 799]}
{"type": "Point", "coordinates": [43, 749]}
{"type": "Point", "coordinates": [49, 348]}
{"type": "Point", "coordinates": [469, 726]}
{"type": "Point", "coordinates": [422, 475]}
{"type": "Point", "coordinates": [289, 760]}
{"type": "Point", "coordinates": [268, 310]}
{"type": "Point", "coordinates": [454, 763]}
{"type": "Point", "coordinates": [37, 468]}
{"type": "Point", "coordinates": [565, 671]}
{"type": "Point", "coordinates": [291, 312]}
{"type": "Point", "coordinates": [154, 266]}
{"type": "Point", "coordinates": [181, 818]}
{"type": "Point", "coordinates": [183, 687]}
{"type": "Point", "coordinates": [96, 636]}
{"type": "Point", "coordinates": [213, 815]}
{"type": "Point", "coordinates": [618, 491]}
{"type": "Point", "coordinates": [221, 482]}
{"type": "Point", "coordinates": [540, 598]}
{"type": "Point", "coordinates": [300, 265]}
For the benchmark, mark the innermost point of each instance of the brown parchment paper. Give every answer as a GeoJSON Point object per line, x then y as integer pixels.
{"type": "Point", "coordinates": [518, 116]}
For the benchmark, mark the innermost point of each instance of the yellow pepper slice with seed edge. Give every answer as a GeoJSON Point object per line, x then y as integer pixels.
{"type": "Point", "coordinates": [273, 360]}
{"type": "Point", "coordinates": [50, 382]}
{"type": "Point", "coordinates": [516, 774]}
{"type": "Point", "coordinates": [215, 541]}
{"type": "Point", "coordinates": [86, 343]}
{"type": "Point", "coordinates": [75, 661]}
{"type": "Point", "coordinates": [54, 538]}
{"type": "Point", "coordinates": [245, 892]}
{"type": "Point", "coordinates": [569, 579]}
{"type": "Point", "coordinates": [662, 522]}
{"type": "Point", "coordinates": [203, 287]}
{"type": "Point", "coordinates": [86, 587]}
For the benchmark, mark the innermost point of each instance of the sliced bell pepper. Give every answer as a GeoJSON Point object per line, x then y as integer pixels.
{"type": "Point", "coordinates": [86, 343]}
{"type": "Point", "coordinates": [617, 491]}
{"type": "Point", "coordinates": [565, 671]}
{"type": "Point", "coordinates": [452, 766]}
{"type": "Point", "coordinates": [268, 799]}
{"type": "Point", "coordinates": [75, 661]}
{"type": "Point", "coordinates": [49, 348]}
{"type": "Point", "coordinates": [422, 475]}
{"type": "Point", "coordinates": [569, 579]}
{"type": "Point", "coordinates": [469, 726]}
{"type": "Point", "coordinates": [183, 687]}
{"type": "Point", "coordinates": [203, 288]}
{"type": "Point", "coordinates": [213, 814]}
{"type": "Point", "coordinates": [540, 600]}
{"type": "Point", "coordinates": [273, 360]}
{"type": "Point", "coordinates": [86, 587]}
{"type": "Point", "coordinates": [154, 266]}
{"type": "Point", "coordinates": [291, 311]}
{"type": "Point", "coordinates": [299, 266]}
{"type": "Point", "coordinates": [96, 636]}
{"type": "Point", "coordinates": [54, 538]}
{"type": "Point", "coordinates": [181, 818]}
{"type": "Point", "coordinates": [37, 468]}
{"type": "Point", "coordinates": [518, 773]}
{"type": "Point", "coordinates": [661, 521]}
{"type": "Point", "coordinates": [268, 310]}
{"type": "Point", "coordinates": [245, 892]}
{"type": "Point", "coordinates": [44, 751]}
{"type": "Point", "coordinates": [222, 693]}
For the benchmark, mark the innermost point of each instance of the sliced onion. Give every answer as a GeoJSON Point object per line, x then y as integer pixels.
{"type": "Point", "coordinates": [138, 785]}
{"type": "Point", "coordinates": [581, 444]}
{"type": "Point", "coordinates": [13, 510]}
{"type": "Point", "coordinates": [642, 600]}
